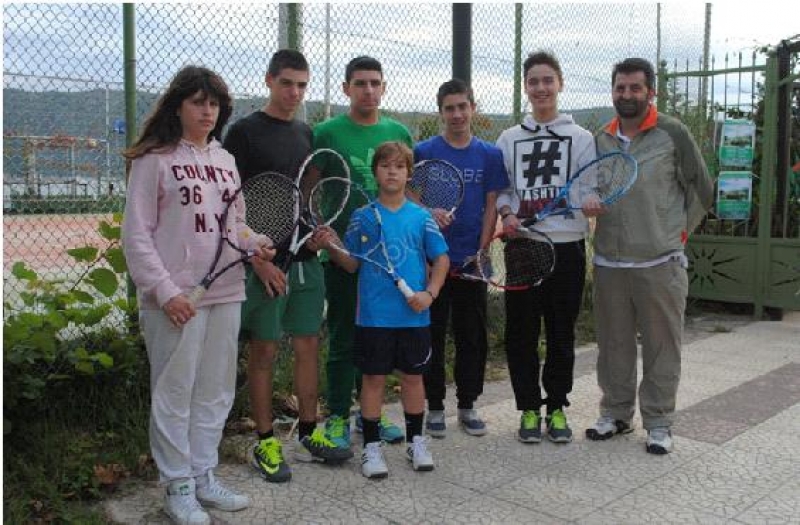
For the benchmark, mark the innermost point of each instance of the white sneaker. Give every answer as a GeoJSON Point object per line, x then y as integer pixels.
{"type": "Point", "coordinates": [607, 427]}
{"type": "Point", "coordinates": [659, 441]}
{"type": "Point", "coordinates": [212, 493]}
{"type": "Point", "coordinates": [182, 506]}
{"type": "Point", "coordinates": [373, 465]}
{"type": "Point", "coordinates": [418, 454]}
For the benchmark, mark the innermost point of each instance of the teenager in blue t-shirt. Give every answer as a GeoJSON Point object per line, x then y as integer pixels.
{"type": "Point", "coordinates": [471, 227]}
{"type": "Point", "coordinates": [392, 332]}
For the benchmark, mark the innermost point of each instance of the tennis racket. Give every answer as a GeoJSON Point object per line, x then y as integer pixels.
{"type": "Point", "coordinates": [273, 204]}
{"type": "Point", "coordinates": [608, 178]}
{"type": "Point", "coordinates": [437, 184]}
{"type": "Point", "coordinates": [372, 244]}
{"type": "Point", "coordinates": [319, 165]}
{"type": "Point", "coordinates": [512, 261]}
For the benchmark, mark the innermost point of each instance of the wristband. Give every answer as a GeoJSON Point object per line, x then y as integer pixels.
{"type": "Point", "coordinates": [430, 293]}
{"type": "Point", "coordinates": [506, 214]}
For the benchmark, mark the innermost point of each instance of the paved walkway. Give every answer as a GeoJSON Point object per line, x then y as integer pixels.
{"type": "Point", "coordinates": [737, 442]}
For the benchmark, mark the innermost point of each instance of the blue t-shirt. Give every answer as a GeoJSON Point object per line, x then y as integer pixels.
{"type": "Point", "coordinates": [482, 166]}
{"type": "Point", "coordinates": [412, 239]}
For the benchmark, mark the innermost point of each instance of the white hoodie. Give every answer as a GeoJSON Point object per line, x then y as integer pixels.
{"type": "Point", "coordinates": [170, 228]}
{"type": "Point", "coordinates": [540, 158]}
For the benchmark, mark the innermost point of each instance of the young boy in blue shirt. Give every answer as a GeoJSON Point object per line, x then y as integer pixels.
{"type": "Point", "coordinates": [392, 332]}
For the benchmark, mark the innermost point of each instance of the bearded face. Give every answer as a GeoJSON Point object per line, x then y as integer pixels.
{"type": "Point", "coordinates": [631, 95]}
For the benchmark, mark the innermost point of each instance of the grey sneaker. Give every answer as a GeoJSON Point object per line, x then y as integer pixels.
{"type": "Point", "coordinates": [471, 423]}
{"type": "Point", "coordinates": [659, 440]}
{"type": "Point", "coordinates": [435, 425]}
{"type": "Point", "coordinates": [606, 427]}
{"type": "Point", "coordinates": [530, 427]}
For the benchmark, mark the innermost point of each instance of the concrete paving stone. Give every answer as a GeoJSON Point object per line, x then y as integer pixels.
{"type": "Point", "coordinates": [636, 509]}
{"type": "Point", "coordinates": [557, 494]}
{"type": "Point", "coordinates": [781, 506]}
{"type": "Point", "coordinates": [707, 427]}
{"type": "Point", "coordinates": [623, 462]}
{"type": "Point", "coordinates": [706, 486]}
{"type": "Point", "coordinates": [406, 496]}
{"type": "Point", "coordinates": [486, 510]}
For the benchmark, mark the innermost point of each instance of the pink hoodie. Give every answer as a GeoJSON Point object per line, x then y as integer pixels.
{"type": "Point", "coordinates": [170, 230]}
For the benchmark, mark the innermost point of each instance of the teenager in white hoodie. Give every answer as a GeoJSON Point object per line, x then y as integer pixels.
{"type": "Point", "coordinates": [179, 182]}
{"type": "Point", "coordinates": [541, 155]}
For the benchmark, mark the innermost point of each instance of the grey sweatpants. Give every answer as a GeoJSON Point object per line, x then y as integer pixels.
{"type": "Point", "coordinates": [651, 301]}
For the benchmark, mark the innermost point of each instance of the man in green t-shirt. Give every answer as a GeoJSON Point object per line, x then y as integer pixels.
{"type": "Point", "coordinates": [355, 136]}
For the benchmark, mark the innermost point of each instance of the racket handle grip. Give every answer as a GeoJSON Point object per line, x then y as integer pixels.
{"type": "Point", "coordinates": [405, 289]}
{"type": "Point", "coordinates": [196, 294]}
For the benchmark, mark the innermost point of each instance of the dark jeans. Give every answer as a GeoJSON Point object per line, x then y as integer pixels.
{"type": "Point", "coordinates": [463, 303]}
{"type": "Point", "coordinates": [558, 301]}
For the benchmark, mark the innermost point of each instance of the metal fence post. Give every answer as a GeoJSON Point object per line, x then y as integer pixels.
{"type": "Point", "coordinates": [462, 42]}
{"type": "Point", "coordinates": [765, 187]}
{"type": "Point", "coordinates": [517, 109]}
{"type": "Point", "coordinates": [129, 73]}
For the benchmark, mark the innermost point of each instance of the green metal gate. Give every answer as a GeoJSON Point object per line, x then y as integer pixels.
{"type": "Point", "coordinates": [753, 258]}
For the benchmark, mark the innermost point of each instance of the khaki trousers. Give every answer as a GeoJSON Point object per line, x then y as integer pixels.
{"type": "Point", "coordinates": [650, 301]}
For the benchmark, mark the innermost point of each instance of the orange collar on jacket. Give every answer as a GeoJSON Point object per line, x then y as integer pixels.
{"type": "Point", "coordinates": [649, 121]}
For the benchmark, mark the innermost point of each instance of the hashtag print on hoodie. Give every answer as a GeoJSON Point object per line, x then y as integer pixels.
{"type": "Point", "coordinates": [540, 158]}
{"type": "Point", "coordinates": [170, 230]}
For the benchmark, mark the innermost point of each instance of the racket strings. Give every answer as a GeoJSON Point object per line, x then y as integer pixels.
{"type": "Point", "coordinates": [437, 184]}
{"type": "Point", "coordinates": [611, 176]}
{"type": "Point", "coordinates": [273, 205]}
{"type": "Point", "coordinates": [371, 243]}
{"type": "Point", "coordinates": [328, 199]}
{"type": "Point", "coordinates": [516, 262]}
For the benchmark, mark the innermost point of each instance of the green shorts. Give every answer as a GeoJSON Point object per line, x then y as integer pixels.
{"type": "Point", "coordinates": [265, 318]}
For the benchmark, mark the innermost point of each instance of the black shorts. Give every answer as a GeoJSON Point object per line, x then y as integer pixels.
{"type": "Point", "coordinates": [380, 351]}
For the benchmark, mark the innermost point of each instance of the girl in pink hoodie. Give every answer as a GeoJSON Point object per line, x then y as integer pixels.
{"type": "Point", "coordinates": [179, 182]}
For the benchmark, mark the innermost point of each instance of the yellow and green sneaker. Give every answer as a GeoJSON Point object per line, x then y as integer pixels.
{"type": "Point", "coordinates": [268, 461]}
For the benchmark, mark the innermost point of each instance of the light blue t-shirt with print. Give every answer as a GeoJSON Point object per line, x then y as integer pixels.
{"type": "Point", "coordinates": [412, 239]}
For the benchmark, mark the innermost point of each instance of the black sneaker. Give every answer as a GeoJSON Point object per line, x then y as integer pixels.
{"type": "Point", "coordinates": [317, 447]}
{"type": "Point", "coordinates": [268, 461]}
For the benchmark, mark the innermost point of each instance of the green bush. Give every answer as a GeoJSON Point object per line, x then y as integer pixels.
{"type": "Point", "coordinates": [74, 408]}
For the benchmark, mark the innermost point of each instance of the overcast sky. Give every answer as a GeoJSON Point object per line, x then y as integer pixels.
{"type": "Point", "coordinates": [413, 40]}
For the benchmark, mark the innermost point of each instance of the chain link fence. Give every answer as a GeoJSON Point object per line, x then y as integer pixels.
{"type": "Point", "coordinates": [64, 110]}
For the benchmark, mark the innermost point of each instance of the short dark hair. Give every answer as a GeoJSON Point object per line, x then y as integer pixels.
{"type": "Point", "coordinates": [393, 148]}
{"type": "Point", "coordinates": [455, 86]}
{"type": "Point", "coordinates": [542, 57]}
{"type": "Point", "coordinates": [286, 58]}
{"type": "Point", "coordinates": [634, 65]}
{"type": "Point", "coordinates": [362, 63]}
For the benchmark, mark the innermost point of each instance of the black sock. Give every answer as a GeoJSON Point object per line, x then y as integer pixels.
{"type": "Point", "coordinates": [306, 428]}
{"type": "Point", "coordinates": [372, 432]}
{"type": "Point", "coordinates": [435, 405]}
{"type": "Point", "coordinates": [413, 425]}
{"type": "Point", "coordinates": [265, 435]}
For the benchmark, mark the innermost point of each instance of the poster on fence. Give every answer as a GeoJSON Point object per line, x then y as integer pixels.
{"type": "Point", "coordinates": [734, 194]}
{"type": "Point", "coordinates": [737, 143]}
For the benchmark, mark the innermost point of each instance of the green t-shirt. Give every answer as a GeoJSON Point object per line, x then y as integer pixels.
{"type": "Point", "coordinates": [357, 144]}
